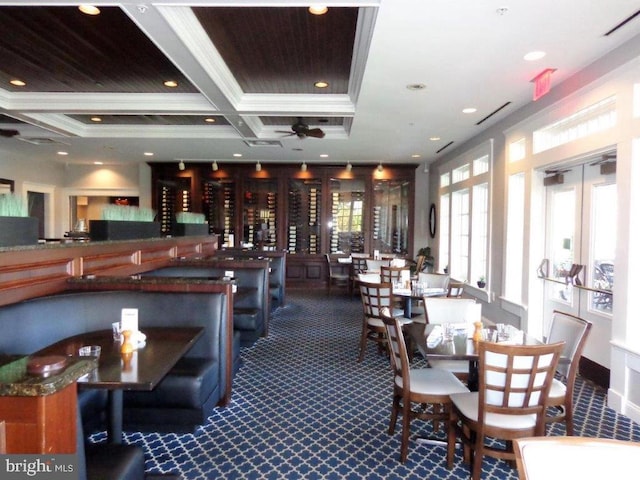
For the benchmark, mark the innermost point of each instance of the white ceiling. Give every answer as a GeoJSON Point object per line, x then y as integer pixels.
{"type": "Point", "coordinates": [468, 53]}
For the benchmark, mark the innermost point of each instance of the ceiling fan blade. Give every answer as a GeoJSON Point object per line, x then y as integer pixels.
{"type": "Point", "coordinates": [314, 132]}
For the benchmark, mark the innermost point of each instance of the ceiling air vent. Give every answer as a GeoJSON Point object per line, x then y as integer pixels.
{"type": "Point", "coordinates": [40, 141]}
{"type": "Point", "coordinates": [263, 143]}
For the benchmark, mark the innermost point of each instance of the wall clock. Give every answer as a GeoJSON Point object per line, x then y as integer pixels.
{"type": "Point", "coordinates": [432, 220]}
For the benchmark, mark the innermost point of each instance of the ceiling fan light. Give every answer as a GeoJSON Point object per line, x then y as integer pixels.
{"type": "Point", "coordinates": [181, 165]}
{"type": "Point", "coordinates": [214, 166]}
{"type": "Point", "coordinates": [258, 167]}
{"type": "Point", "coordinates": [318, 9]}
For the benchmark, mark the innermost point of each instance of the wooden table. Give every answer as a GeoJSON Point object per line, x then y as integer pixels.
{"type": "Point", "coordinates": [409, 295]}
{"type": "Point", "coordinates": [147, 366]}
{"type": "Point", "coordinates": [428, 339]}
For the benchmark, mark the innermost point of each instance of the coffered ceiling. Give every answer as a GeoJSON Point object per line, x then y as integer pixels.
{"type": "Point", "coordinates": [399, 74]}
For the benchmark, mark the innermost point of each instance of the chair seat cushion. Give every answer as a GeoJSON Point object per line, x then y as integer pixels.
{"type": "Point", "coordinates": [187, 385]}
{"type": "Point", "coordinates": [558, 390]}
{"type": "Point", "coordinates": [467, 404]}
{"type": "Point", "coordinates": [433, 381]}
{"type": "Point", "coordinates": [456, 366]}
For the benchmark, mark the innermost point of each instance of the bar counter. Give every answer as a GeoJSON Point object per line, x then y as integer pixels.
{"type": "Point", "coordinates": [37, 270]}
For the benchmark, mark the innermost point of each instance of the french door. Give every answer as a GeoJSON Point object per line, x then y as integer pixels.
{"type": "Point", "coordinates": [580, 246]}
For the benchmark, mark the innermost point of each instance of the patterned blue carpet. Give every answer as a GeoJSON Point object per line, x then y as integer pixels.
{"type": "Point", "coordinates": [303, 408]}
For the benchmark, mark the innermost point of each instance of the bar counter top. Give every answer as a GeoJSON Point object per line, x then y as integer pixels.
{"type": "Point", "coordinates": [15, 381]}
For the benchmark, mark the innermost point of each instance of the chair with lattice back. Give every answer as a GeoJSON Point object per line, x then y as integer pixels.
{"type": "Point", "coordinates": [514, 384]}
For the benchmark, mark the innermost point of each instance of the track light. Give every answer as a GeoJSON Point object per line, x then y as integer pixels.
{"type": "Point", "coordinates": [303, 167]}
{"type": "Point", "coordinates": [181, 165]}
{"type": "Point", "coordinates": [214, 166]}
{"type": "Point", "coordinates": [380, 167]}
{"type": "Point", "coordinates": [348, 167]}
{"type": "Point", "coordinates": [258, 166]}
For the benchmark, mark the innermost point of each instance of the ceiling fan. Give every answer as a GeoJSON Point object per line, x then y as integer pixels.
{"type": "Point", "coordinates": [8, 133]}
{"type": "Point", "coordinates": [302, 130]}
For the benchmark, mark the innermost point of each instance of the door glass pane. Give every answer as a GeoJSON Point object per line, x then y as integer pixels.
{"type": "Point", "coordinates": [218, 205]}
{"type": "Point", "coordinates": [346, 226]}
{"type": "Point", "coordinates": [562, 241]}
{"type": "Point", "coordinates": [603, 242]}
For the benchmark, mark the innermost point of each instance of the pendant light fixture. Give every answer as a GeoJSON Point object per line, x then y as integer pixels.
{"type": "Point", "coordinates": [214, 166]}
{"type": "Point", "coordinates": [380, 167]}
{"type": "Point", "coordinates": [348, 167]}
{"type": "Point", "coordinates": [181, 165]}
{"type": "Point", "coordinates": [258, 166]}
{"type": "Point", "coordinates": [303, 167]}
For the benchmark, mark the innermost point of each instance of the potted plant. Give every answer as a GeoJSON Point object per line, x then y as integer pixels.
{"type": "Point", "coordinates": [482, 282]}
{"type": "Point", "coordinates": [190, 223]}
{"type": "Point", "coordinates": [124, 222]}
{"type": "Point", "coordinates": [16, 226]}
{"type": "Point", "coordinates": [428, 259]}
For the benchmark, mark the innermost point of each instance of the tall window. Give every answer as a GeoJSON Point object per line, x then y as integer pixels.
{"type": "Point", "coordinates": [515, 238]}
{"type": "Point", "coordinates": [464, 214]}
{"type": "Point", "coordinates": [443, 260]}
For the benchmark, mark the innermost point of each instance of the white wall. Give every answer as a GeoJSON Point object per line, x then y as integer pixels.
{"type": "Point", "coordinates": [617, 344]}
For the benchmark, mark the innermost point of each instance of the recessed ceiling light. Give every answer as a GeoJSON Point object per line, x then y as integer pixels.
{"type": "Point", "coordinates": [318, 9]}
{"type": "Point", "coordinates": [470, 110]}
{"type": "Point", "coordinates": [170, 84]}
{"type": "Point", "coordinates": [17, 83]}
{"type": "Point", "coordinates": [535, 55]}
{"type": "Point", "coordinates": [96, 119]}
{"type": "Point", "coordinates": [416, 86]}
{"type": "Point", "coordinates": [434, 139]}
{"type": "Point", "coordinates": [148, 154]}
{"type": "Point", "coordinates": [98, 163]}
{"type": "Point", "coordinates": [415, 155]}
{"type": "Point", "coordinates": [63, 153]}
{"type": "Point", "coordinates": [324, 155]}
{"type": "Point", "coordinates": [210, 120]}
{"type": "Point", "coordinates": [321, 84]}
{"type": "Point", "coordinates": [89, 9]}
{"type": "Point", "coordinates": [237, 155]}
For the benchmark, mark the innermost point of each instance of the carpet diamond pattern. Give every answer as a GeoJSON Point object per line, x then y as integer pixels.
{"type": "Point", "coordinates": [303, 408]}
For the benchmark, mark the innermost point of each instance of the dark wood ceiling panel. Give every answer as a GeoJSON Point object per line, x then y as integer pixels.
{"type": "Point", "coordinates": [60, 49]}
{"type": "Point", "coordinates": [283, 50]}
{"type": "Point", "coordinates": [151, 119]}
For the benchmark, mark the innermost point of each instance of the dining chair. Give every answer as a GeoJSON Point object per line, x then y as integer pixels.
{"type": "Point", "coordinates": [585, 458]}
{"type": "Point", "coordinates": [336, 276]}
{"type": "Point", "coordinates": [514, 384]}
{"type": "Point", "coordinates": [374, 297]}
{"type": "Point", "coordinates": [374, 265]}
{"type": "Point", "coordinates": [455, 289]}
{"type": "Point", "coordinates": [358, 266]}
{"type": "Point", "coordinates": [573, 331]}
{"type": "Point", "coordinates": [416, 389]}
{"type": "Point", "coordinates": [440, 310]}
{"type": "Point", "coordinates": [393, 275]}
{"type": "Point", "coordinates": [434, 280]}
